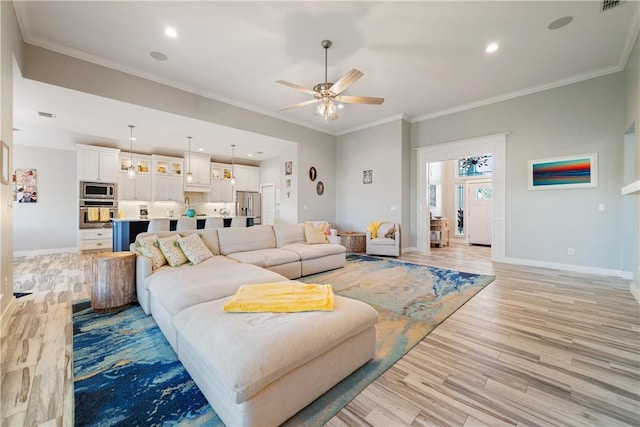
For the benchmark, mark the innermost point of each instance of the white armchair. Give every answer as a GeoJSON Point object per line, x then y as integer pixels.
{"type": "Point", "coordinates": [387, 241]}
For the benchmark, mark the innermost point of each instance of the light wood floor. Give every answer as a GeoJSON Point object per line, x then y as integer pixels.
{"type": "Point", "coordinates": [535, 347]}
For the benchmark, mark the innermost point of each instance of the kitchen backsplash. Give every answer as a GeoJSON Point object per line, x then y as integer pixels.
{"type": "Point", "coordinates": [131, 209]}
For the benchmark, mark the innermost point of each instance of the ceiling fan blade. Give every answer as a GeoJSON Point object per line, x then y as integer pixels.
{"type": "Point", "coordinates": [345, 81]}
{"type": "Point", "coordinates": [301, 104]}
{"type": "Point", "coordinates": [297, 87]}
{"type": "Point", "coordinates": [359, 99]}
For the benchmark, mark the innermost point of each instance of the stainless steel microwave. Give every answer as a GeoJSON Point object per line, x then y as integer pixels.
{"type": "Point", "coordinates": [98, 190]}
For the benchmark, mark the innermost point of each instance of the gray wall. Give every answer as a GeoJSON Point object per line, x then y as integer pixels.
{"type": "Point", "coordinates": [49, 225]}
{"type": "Point", "coordinates": [272, 172]}
{"type": "Point", "coordinates": [576, 119]}
{"type": "Point", "coordinates": [380, 149]}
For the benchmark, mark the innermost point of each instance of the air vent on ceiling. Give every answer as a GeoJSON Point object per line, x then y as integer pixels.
{"type": "Point", "coordinates": [610, 4]}
{"type": "Point", "coordinates": [47, 115]}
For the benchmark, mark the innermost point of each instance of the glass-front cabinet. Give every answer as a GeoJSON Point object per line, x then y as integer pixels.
{"type": "Point", "coordinates": [138, 187]}
{"type": "Point", "coordinates": [167, 181]}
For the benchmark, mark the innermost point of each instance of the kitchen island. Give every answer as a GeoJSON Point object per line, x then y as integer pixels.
{"type": "Point", "coordinates": [125, 230]}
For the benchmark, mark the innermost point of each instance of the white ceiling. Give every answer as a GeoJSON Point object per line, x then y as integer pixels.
{"type": "Point", "coordinates": [425, 58]}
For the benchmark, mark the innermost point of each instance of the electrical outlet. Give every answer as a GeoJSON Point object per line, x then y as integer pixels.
{"type": "Point", "coordinates": [394, 208]}
{"type": "Point", "coordinates": [570, 251]}
{"type": "Point", "coordinates": [601, 207]}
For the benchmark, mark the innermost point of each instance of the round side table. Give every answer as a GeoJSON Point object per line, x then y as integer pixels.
{"type": "Point", "coordinates": [114, 281]}
{"type": "Point", "coordinates": [354, 241]}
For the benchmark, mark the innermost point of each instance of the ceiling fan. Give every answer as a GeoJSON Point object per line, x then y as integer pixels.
{"type": "Point", "coordinates": [328, 95]}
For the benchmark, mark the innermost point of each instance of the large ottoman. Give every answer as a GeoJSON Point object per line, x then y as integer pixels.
{"type": "Point", "coordinates": [262, 368]}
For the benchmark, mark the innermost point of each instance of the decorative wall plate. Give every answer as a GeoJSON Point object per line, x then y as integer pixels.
{"type": "Point", "coordinates": [320, 188]}
{"type": "Point", "coordinates": [313, 174]}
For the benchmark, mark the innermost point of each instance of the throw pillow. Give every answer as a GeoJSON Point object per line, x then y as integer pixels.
{"type": "Point", "coordinates": [171, 250]}
{"type": "Point", "coordinates": [391, 234]}
{"type": "Point", "coordinates": [148, 246]}
{"type": "Point", "coordinates": [194, 248]}
{"type": "Point", "coordinates": [314, 235]}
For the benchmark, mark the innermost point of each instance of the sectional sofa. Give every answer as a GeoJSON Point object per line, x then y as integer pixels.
{"type": "Point", "coordinates": [255, 368]}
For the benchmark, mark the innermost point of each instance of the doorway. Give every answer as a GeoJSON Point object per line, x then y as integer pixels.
{"type": "Point", "coordinates": [494, 145]}
{"type": "Point", "coordinates": [268, 203]}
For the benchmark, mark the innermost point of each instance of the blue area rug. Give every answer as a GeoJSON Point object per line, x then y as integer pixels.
{"type": "Point", "coordinates": [125, 372]}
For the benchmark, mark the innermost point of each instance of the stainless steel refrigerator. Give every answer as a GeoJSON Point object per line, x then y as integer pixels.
{"type": "Point", "coordinates": [248, 204]}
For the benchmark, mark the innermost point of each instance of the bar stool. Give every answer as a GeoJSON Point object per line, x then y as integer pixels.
{"type": "Point", "coordinates": [214, 222]}
{"type": "Point", "coordinates": [158, 224]}
{"type": "Point", "coordinates": [186, 223]}
{"type": "Point", "coordinates": [239, 221]}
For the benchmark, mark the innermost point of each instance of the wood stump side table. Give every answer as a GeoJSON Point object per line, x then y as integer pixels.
{"type": "Point", "coordinates": [354, 241]}
{"type": "Point", "coordinates": [114, 281]}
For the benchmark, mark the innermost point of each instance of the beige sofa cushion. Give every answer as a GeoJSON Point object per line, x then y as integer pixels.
{"type": "Point", "coordinates": [177, 290]}
{"type": "Point", "coordinates": [315, 251]}
{"type": "Point", "coordinates": [237, 239]}
{"type": "Point", "coordinates": [265, 257]}
{"type": "Point", "coordinates": [248, 365]}
{"type": "Point", "coordinates": [287, 234]}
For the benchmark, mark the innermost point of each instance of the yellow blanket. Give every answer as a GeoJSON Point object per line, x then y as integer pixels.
{"type": "Point", "coordinates": [373, 228]}
{"type": "Point", "coordinates": [281, 298]}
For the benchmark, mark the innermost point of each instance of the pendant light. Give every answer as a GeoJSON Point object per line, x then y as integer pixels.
{"type": "Point", "coordinates": [189, 174]}
{"type": "Point", "coordinates": [233, 165]}
{"type": "Point", "coordinates": [131, 170]}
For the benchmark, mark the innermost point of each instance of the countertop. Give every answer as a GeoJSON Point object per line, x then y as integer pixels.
{"type": "Point", "coordinates": [175, 218]}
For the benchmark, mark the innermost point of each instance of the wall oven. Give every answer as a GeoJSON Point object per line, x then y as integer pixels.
{"type": "Point", "coordinates": [97, 213]}
{"type": "Point", "coordinates": [98, 190]}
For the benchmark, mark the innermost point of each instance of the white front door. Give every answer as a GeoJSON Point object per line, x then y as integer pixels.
{"type": "Point", "coordinates": [268, 203]}
{"type": "Point", "coordinates": [480, 213]}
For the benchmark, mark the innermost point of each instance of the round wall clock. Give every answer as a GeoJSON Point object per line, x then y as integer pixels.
{"type": "Point", "coordinates": [313, 174]}
{"type": "Point", "coordinates": [320, 188]}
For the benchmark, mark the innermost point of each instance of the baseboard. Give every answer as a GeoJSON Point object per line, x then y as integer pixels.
{"type": "Point", "coordinates": [411, 249]}
{"type": "Point", "coordinates": [564, 267]}
{"type": "Point", "coordinates": [628, 275]}
{"type": "Point", "coordinates": [6, 315]}
{"type": "Point", "coordinates": [45, 252]}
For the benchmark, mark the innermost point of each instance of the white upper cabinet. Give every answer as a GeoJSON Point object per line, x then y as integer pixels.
{"type": "Point", "coordinates": [97, 163]}
{"type": "Point", "coordinates": [247, 178]}
{"type": "Point", "coordinates": [139, 187]}
{"type": "Point", "coordinates": [221, 189]}
{"type": "Point", "coordinates": [199, 165]}
{"type": "Point", "coordinates": [166, 178]}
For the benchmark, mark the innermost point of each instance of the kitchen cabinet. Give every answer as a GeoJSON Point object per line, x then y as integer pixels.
{"type": "Point", "coordinates": [139, 187]}
{"type": "Point", "coordinates": [247, 178]}
{"type": "Point", "coordinates": [95, 239]}
{"type": "Point", "coordinates": [97, 163]}
{"type": "Point", "coordinates": [166, 178]}
{"type": "Point", "coordinates": [221, 189]}
{"type": "Point", "coordinates": [199, 165]}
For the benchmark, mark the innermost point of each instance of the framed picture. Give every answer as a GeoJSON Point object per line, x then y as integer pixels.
{"type": "Point", "coordinates": [288, 168]}
{"type": "Point", "coordinates": [562, 173]}
{"type": "Point", "coordinates": [313, 174]}
{"type": "Point", "coordinates": [367, 176]}
{"type": "Point", "coordinates": [25, 186]}
{"type": "Point", "coordinates": [320, 188]}
{"type": "Point", "coordinates": [4, 163]}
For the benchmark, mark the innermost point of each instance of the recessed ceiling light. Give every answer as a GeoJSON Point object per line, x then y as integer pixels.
{"type": "Point", "coordinates": [250, 154]}
{"type": "Point", "coordinates": [158, 55]}
{"type": "Point", "coordinates": [170, 32]}
{"type": "Point", "coordinates": [491, 47]}
{"type": "Point", "coordinates": [560, 22]}
{"type": "Point", "coordinates": [200, 149]}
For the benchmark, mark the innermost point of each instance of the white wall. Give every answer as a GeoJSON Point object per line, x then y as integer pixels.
{"type": "Point", "coordinates": [380, 149]}
{"type": "Point", "coordinates": [272, 171]}
{"type": "Point", "coordinates": [50, 224]}
{"type": "Point", "coordinates": [576, 119]}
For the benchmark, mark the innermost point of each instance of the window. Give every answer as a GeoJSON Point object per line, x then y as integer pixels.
{"type": "Point", "coordinates": [475, 166]}
{"type": "Point", "coordinates": [484, 193]}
